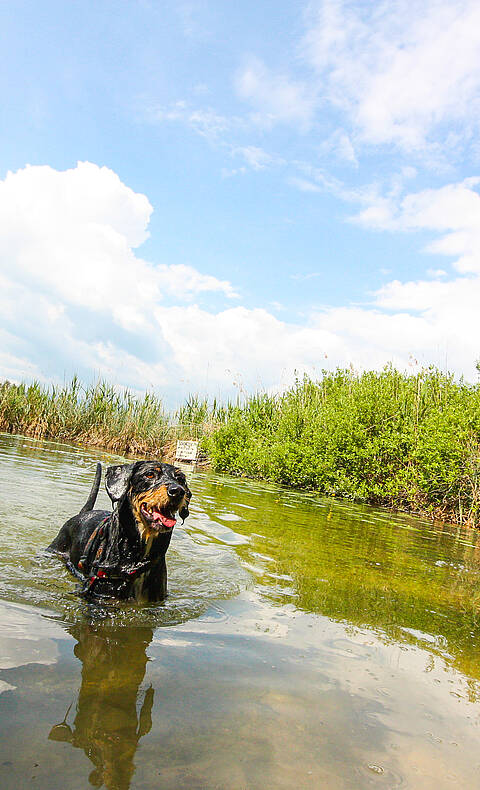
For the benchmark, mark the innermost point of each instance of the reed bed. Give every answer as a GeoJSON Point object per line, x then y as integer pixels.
{"type": "Point", "coordinates": [102, 416]}
{"type": "Point", "coordinates": [98, 415]}
{"type": "Point", "coordinates": [410, 442]}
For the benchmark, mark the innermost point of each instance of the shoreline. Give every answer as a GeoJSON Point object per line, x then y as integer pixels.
{"type": "Point", "coordinates": [406, 442]}
{"type": "Point", "coordinates": [205, 465]}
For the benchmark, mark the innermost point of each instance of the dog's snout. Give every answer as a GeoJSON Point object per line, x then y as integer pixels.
{"type": "Point", "coordinates": [174, 490]}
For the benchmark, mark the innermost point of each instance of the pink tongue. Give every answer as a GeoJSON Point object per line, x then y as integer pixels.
{"type": "Point", "coordinates": [167, 522]}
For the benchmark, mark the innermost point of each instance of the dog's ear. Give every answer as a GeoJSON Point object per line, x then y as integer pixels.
{"type": "Point", "coordinates": [117, 480]}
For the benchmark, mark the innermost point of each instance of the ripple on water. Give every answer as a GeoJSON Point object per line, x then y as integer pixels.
{"type": "Point", "coordinates": [201, 568]}
{"type": "Point", "coordinates": [333, 668]}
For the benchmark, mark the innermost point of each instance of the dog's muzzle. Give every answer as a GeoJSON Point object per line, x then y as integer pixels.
{"type": "Point", "coordinates": [154, 517]}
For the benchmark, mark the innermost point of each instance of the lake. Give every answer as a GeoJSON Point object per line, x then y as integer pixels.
{"type": "Point", "coordinates": [305, 643]}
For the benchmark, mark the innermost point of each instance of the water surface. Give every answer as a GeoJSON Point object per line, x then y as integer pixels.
{"type": "Point", "coordinates": [305, 643]}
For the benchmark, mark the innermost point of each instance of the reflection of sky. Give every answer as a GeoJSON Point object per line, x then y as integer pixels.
{"type": "Point", "coordinates": [27, 637]}
{"type": "Point", "coordinates": [254, 695]}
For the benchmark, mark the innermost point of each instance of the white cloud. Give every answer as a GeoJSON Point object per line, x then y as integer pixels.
{"type": "Point", "coordinates": [74, 297]}
{"type": "Point", "coordinates": [235, 171]}
{"type": "Point", "coordinates": [343, 147]}
{"type": "Point", "coordinates": [217, 129]}
{"type": "Point", "coordinates": [257, 349]}
{"type": "Point", "coordinates": [43, 342]}
{"type": "Point", "coordinates": [433, 321]}
{"type": "Point", "coordinates": [13, 367]}
{"type": "Point", "coordinates": [276, 97]}
{"type": "Point", "coordinates": [452, 210]}
{"type": "Point", "coordinates": [304, 185]}
{"type": "Point", "coordinates": [205, 121]}
{"type": "Point", "coordinates": [208, 124]}
{"type": "Point", "coordinates": [448, 312]}
{"type": "Point", "coordinates": [448, 306]}
{"type": "Point", "coordinates": [68, 268]}
{"type": "Point", "coordinates": [72, 234]}
{"type": "Point", "coordinates": [399, 70]}
{"type": "Point", "coordinates": [340, 144]}
{"type": "Point", "coordinates": [240, 344]}
{"type": "Point", "coordinates": [256, 157]}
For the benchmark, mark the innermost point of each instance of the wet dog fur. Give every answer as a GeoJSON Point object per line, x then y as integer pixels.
{"type": "Point", "coordinates": [121, 554]}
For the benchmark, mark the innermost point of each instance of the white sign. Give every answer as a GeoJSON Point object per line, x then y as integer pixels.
{"type": "Point", "coordinates": [186, 451]}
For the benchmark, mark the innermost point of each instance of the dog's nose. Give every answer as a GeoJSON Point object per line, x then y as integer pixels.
{"type": "Point", "coordinates": [174, 490]}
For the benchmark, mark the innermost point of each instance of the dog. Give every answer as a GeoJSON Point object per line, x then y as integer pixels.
{"type": "Point", "coordinates": [122, 554]}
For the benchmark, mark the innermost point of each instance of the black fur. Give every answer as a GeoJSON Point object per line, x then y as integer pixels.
{"type": "Point", "coordinates": [107, 550]}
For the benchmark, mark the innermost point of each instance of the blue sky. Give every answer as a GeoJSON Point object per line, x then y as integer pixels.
{"type": "Point", "coordinates": [208, 196]}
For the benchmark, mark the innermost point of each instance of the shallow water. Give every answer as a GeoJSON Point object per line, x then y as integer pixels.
{"type": "Point", "coordinates": [305, 643]}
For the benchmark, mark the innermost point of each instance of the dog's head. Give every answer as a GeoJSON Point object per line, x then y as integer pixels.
{"type": "Point", "coordinates": [155, 492]}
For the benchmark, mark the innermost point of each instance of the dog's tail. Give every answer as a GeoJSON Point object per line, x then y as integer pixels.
{"type": "Point", "coordinates": [93, 493]}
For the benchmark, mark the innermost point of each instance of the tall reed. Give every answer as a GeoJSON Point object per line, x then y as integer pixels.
{"type": "Point", "coordinates": [97, 415]}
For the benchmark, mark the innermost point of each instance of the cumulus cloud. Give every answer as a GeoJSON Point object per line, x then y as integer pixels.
{"type": "Point", "coordinates": [446, 308]}
{"type": "Point", "coordinates": [430, 321]}
{"type": "Point", "coordinates": [399, 70]}
{"type": "Point", "coordinates": [75, 297]}
{"type": "Point", "coordinates": [73, 234]}
{"type": "Point", "coordinates": [70, 274]}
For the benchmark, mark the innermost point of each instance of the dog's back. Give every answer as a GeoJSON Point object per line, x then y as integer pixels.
{"type": "Point", "coordinates": [76, 531]}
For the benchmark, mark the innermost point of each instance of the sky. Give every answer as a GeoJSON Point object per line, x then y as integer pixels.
{"type": "Point", "coordinates": [215, 197]}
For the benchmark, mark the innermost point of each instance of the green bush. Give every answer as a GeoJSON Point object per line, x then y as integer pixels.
{"type": "Point", "coordinates": [380, 437]}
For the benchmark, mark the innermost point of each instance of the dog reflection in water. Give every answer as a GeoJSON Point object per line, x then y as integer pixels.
{"type": "Point", "coordinates": [112, 713]}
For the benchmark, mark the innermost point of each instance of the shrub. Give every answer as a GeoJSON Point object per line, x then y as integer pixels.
{"type": "Point", "coordinates": [408, 441]}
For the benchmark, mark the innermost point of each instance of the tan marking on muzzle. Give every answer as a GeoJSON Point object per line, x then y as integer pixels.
{"type": "Point", "coordinates": [155, 497]}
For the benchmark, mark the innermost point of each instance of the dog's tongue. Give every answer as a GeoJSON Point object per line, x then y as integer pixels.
{"type": "Point", "coordinates": [169, 523]}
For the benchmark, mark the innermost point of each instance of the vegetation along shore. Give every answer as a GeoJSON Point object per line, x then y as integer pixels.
{"type": "Point", "coordinates": [410, 442]}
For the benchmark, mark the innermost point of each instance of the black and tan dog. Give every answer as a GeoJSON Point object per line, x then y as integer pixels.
{"type": "Point", "coordinates": [122, 554]}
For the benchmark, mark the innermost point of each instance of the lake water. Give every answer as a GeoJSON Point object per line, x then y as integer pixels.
{"type": "Point", "coordinates": [305, 643]}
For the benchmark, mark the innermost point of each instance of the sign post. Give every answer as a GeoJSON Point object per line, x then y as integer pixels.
{"type": "Point", "coordinates": [186, 451]}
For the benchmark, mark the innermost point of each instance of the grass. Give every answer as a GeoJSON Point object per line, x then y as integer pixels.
{"type": "Point", "coordinates": [410, 442]}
